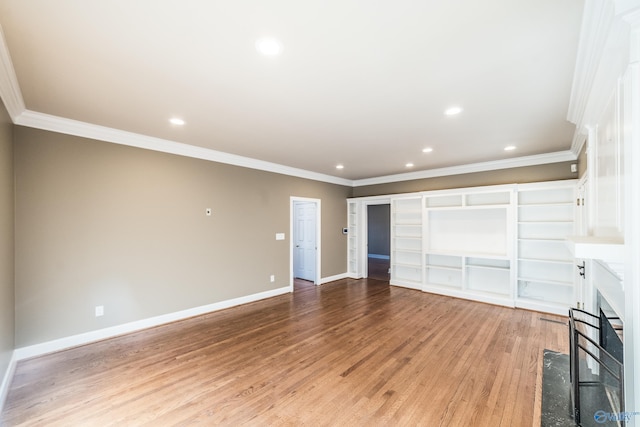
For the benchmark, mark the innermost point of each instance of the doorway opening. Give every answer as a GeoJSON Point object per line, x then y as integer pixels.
{"type": "Point", "coordinates": [379, 241]}
{"type": "Point", "coordinates": [305, 240]}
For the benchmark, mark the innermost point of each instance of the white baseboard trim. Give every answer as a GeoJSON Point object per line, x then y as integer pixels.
{"type": "Point", "coordinates": [334, 278]}
{"type": "Point", "coordinates": [6, 380]}
{"type": "Point", "coordinates": [110, 332]}
{"type": "Point", "coordinates": [408, 285]}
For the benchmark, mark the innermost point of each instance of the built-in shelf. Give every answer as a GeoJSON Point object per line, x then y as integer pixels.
{"type": "Point", "coordinates": [501, 244]}
{"type": "Point", "coordinates": [545, 267]}
{"type": "Point", "coordinates": [352, 240]}
{"type": "Point", "coordinates": [406, 241]}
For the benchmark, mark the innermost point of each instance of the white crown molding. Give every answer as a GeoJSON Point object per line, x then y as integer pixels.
{"type": "Point", "coordinates": [12, 97]}
{"type": "Point", "coordinates": [101, 133]}
{"type": "Point", "coordinates": [86, 130]}
{"type": "Point", "coordinates": [596, 22]}
{"type": "Point", "coordinates": [602, 57]}
{"type": "Point", "coordinates": [579, 140]}
{"type": "Point", "coordinates": [9, 88]}
{"type": "Point", "coordinates": [539, 159]}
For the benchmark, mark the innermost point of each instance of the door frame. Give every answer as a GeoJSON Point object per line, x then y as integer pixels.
{"type": "Point", "coordinates": [364, 230]}
{"type": "Point", "coordinates": [292, 202]}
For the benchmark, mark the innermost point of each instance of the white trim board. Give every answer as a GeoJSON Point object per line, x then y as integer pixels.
{"type": "Point", "coordinates": [540, 159]}
{"type": "Point", "coordinates": [6, 380]}
{"type": "Point", "coordinates": [113, 331]}
{"type": "Point", "coordinates": [56, 124]}
{"type": "Point", "coordinates": [9, 89]}
{"type": "Point", "coordinates": [334, 278]}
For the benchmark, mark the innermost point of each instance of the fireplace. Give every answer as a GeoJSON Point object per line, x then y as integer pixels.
{"type": "Point", "coordinates": [596, 367]}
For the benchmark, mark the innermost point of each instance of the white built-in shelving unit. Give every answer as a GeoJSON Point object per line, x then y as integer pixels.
{"type": "Point", "coordinates": [352, 238]}
{"type": "Point", "coordinates": [406, 241]}
{"type": "Point", "coordinates": [502, 244]}
{"type": "Point", "coordinates": [545, 266]}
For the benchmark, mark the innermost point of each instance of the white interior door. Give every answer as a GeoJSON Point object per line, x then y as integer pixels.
{"type": "Point", "coordinates": [304, 235]}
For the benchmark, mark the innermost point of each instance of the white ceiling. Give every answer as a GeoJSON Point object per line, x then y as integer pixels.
{"type": "Point", "coordinates": [361, 83]}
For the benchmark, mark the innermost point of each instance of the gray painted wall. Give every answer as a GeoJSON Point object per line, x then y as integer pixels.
{"type": "Point", "coordinates": [104, 224]}
{"type": "Point", "coordinates": [7, 325]}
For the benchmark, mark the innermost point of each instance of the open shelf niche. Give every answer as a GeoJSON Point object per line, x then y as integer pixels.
{"type": "Point", "coordinates": [468, 243]}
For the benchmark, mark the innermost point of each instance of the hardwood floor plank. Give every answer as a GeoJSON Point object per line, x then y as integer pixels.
{"type": "Point", "coordinates": [352, 352]}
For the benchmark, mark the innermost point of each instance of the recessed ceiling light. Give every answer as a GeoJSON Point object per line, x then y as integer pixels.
{"type": "Point", "coordinates": [339, 166]}
{"type": "Point", "coordinates": [268, 46]}
{"type": "Point", "coordinates": [176, 121]}
{"type": "Point", "coordinates": [427, 150]}
{"type": "Point", "coordinates": [409, 165]}
{"type": "Point", "coordinates": [452, 111]}
{"type": "Point", "coordinates": [509, 148]}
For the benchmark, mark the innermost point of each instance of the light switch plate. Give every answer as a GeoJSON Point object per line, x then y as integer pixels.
{"type": "Point", "coordinates": [279, 236]}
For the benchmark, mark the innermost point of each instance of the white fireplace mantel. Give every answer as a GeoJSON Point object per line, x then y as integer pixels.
{"type": "Point", "coordinates": [606, 272]}
{"type": "Point", "coordinates": [609, 250]}
{"type": "Point", "coordinates": [594, 247]}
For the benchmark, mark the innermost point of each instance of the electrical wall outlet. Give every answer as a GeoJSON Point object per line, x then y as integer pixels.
{"type": "Point", "coordinates": [99, 310]}
{"type": "Point", "coordinates": [272, 278]}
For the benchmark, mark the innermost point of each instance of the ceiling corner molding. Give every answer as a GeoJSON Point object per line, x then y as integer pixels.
{"type": "Point", "coordinates": [603, 56]}
{"type": "Point", "coordinates": [9, 87]}
{"type": "Point", "coordinates": [539, 159]}
{"type": "Point", "coordinates": [57, 124]}
{"type": "Point", "coordinates": [579, 140]}
{"type": "Point", "coordinates": [597, 19]}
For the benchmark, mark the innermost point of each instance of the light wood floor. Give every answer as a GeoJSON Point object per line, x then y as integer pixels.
{"type": "Point", "coordinates": [351, 352]}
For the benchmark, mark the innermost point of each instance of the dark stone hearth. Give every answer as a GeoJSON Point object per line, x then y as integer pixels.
{"type": "Point", "coordinates": [556, 396]}
{"type": "Point", "coordinates": [556, 391]}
